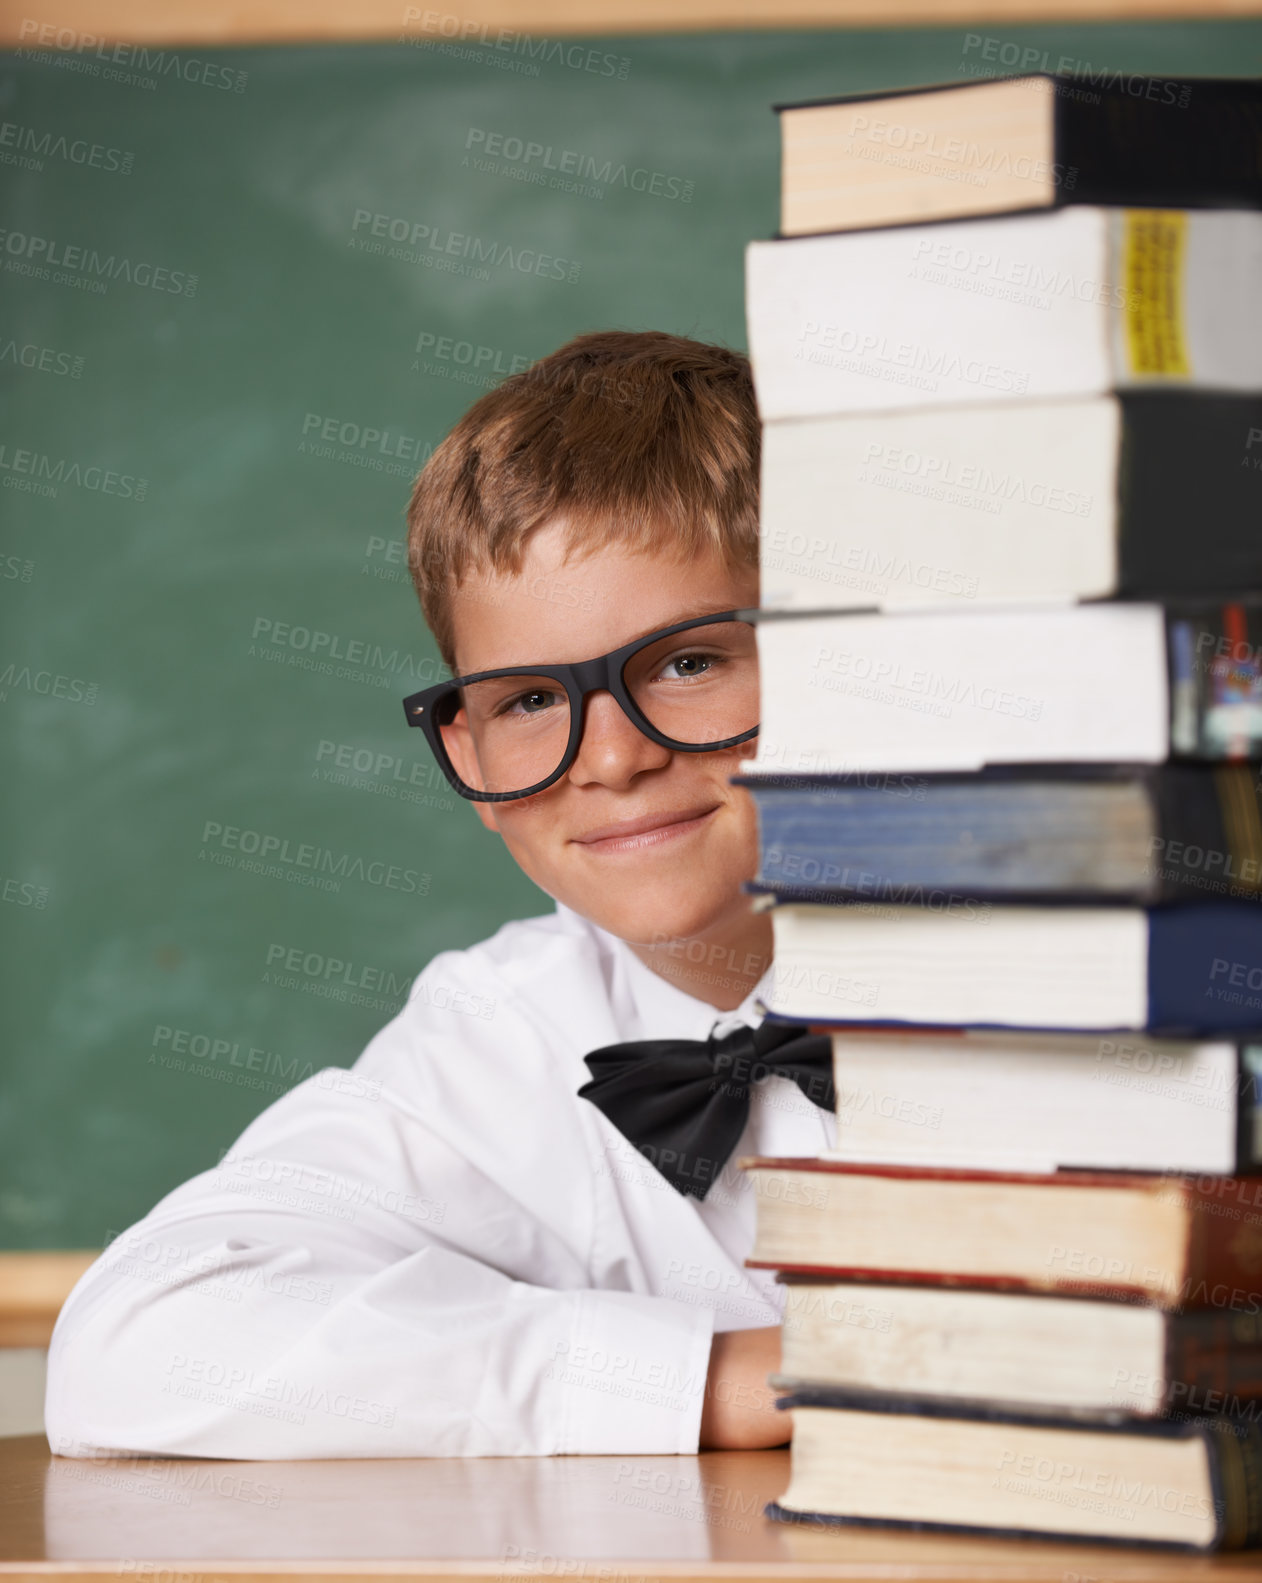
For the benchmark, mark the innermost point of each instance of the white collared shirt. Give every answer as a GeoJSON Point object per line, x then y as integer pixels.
{"type": "Point", "coordinates": [443, 1251]}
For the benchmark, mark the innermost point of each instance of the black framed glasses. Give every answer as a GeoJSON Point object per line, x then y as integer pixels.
{"type": "Point", "coordinates": [692, 687]}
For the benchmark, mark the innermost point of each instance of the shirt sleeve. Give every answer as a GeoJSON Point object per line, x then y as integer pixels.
{"type": "Point", "coordinates": [346, 1283]}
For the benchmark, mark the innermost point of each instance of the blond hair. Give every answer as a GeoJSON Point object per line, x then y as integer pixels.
{"type": "Point", "coordinates": [641, 438]}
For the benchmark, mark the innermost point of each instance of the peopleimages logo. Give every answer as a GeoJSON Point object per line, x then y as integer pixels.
{"type": "Point", "coordinates": [43, 41]}
{"type": "Point", "coordinates": [46, 258]}
{"type": "Point", "coordinates": [21, 464]}
{"type": "Point", "coordinates": [905, 362]}
{"type": "Point", "coordinates": [450, 31]}
{"type": "Point", "coordinates": [419, 242]}
{"type": "Point", "coordinates": [363, 437]}
{"type": "Point", "coordinates": [75, 151]}
{"type": "Point", "coordinates": [918, 148]}
{"type": "Point", "coordinates": [1020, 57]}
{"type": "Point", "coordinates": [525, 157]}
{"type": "Point", "coordinates": [882, 461]}
{"type": "Point", "coordinates": [276, 853]}
{"type": "Point", "coordinates": [284, 642]}
{"type": "Point", "coordinates": [43, 359]}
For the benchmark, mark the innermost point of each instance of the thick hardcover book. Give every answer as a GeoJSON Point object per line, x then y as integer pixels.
{"type": "Point", "coordinates": [1179, 1243]}
{"type": "Point", "coordinates": [1174, 832]}
{"type": "Point", "coordinates": [933, 315]}
{"type": "Point", "coordinates": [929, 690]}
{"type": "Point", "coordinates": [1022, 142]}
{"type": "Point", "coordinates": [919, 1463]}
{"type": "Point", "coordinates": [1144, 496]}
{"type": "Point", "coordinates": [1082, 1357]}
{"type": "Point", "coordinates": [956, 962]}
{"type": "Point", "coordinates": [1045, 1102]}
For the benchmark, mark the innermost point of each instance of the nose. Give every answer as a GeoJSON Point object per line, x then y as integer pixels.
{"type": "Point", "coordinates": [613, 749]}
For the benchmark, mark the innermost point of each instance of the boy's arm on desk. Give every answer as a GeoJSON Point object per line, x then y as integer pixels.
{"type": "Point", "coordinates": [347, 1283]}
{"type": "Point", "coordinates": [740, 1412]}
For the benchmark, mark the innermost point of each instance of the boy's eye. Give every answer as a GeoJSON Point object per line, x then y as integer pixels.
{"type": "Point", "coordinates": [694, 663]}
{"type": "Point", "coordinates": [532, 702]}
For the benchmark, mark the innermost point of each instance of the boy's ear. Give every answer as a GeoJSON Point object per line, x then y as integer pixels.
{"type": "Point", "coordinates": [458, 741]}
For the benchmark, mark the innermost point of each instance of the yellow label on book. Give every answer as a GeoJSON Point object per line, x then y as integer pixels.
{"type": "Point", "coordinates": [1154, 252]}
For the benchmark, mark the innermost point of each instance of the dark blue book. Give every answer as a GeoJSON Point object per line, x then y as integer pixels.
{"type": "Point", "coordinates": [1144, 834]}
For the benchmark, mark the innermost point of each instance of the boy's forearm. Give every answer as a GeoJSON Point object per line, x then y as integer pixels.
{"type": "Point", "coordinates": [434, 1353]}
{"type": "Point", "coordinates": [739, 1412]}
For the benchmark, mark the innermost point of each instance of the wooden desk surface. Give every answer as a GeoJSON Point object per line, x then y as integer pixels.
{"type": "Point", "coordinates": [488, 1519]}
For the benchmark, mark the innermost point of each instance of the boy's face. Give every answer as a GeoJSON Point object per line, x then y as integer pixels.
{"type": "Point", "coordinates": [682, 877]}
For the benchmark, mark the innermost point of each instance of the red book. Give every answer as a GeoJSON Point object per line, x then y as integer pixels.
{"type": "Point", "coordinates": [1176, 1242]}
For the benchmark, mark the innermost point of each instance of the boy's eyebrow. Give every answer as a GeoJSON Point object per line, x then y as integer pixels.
{"type": "Point", "coordinates": [703, 609]}
{"type": "Point", "coordinates": [706, 608]}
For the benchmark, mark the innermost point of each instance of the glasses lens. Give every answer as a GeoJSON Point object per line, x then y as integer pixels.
{"type": "Point", "coordinates": [515, 726]}
{"type": "Point", "coordinates": [699, 686]}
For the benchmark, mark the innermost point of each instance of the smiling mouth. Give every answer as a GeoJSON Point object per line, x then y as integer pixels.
{"type": "Point", "coordinates": [636, 834]}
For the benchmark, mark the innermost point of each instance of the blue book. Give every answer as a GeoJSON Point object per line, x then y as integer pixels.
{"type": "Point", "coordinates": [1142, 834]}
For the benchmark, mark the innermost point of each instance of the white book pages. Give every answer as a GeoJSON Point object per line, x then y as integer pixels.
{"type": "Point", "coordinates": [1023, 967]}
{"type": "Point", "coordinates": [959, 506]}
{"type": "Point", "coordinates": [969, 311]}
{"type": "Point", "coordinates": [1031, 1102]}
{"type": "Point", "coordinates": [978, 148]}
{"type": "Point", "coordinates": [956, 690]}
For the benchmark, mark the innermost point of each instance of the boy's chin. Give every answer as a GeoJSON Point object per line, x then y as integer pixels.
{"type": "Point", "coordinates": [657, 914]}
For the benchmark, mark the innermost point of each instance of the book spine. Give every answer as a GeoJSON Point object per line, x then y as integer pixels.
{"type": "Point", "coordinates": [1205, 970]}
{"type": "Point", "coordinates": [1213, 1364]}
{"type": "Point", "coordinates": [1155, 142]}
{"type": "Point", "coordinates": [1210, 1369]}
{"type": "Point", "coordinates": [1235, 1462]}
{"type": "Point", "coordinates": [1214, 657]}
{"type": "Point", "coordinates": [1223, 1216]}
{"type": "Point", "coordinates": [1189, 471]}
{"type": "Point", "coordinates": [1209, 845]}
{"type": "Point", "coordinates": [1249, 1108]}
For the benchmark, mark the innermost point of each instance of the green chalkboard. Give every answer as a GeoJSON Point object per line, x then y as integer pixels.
{"type": "Point", "coordinates": [244, 294]}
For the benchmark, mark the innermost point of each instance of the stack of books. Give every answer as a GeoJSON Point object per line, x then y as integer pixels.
{"type": "Point", "coordinates": [1009, 368]}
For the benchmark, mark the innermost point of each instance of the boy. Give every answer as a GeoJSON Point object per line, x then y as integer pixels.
{"type": "Point", "coordinates": [449, 1250]}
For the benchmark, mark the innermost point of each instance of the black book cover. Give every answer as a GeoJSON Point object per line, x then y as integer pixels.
{"type": "Point", "coordinates": [1189, 493]}
{"type": "Point", "coordinates": [1149, 141]}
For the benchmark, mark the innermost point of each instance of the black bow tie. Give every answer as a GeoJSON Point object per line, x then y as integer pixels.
{"type": "Point", "coordinates": [684, 1102]}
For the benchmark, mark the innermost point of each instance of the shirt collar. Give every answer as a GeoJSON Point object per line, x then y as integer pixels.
{"type": "Point", "coordinates": [662, 1008]}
